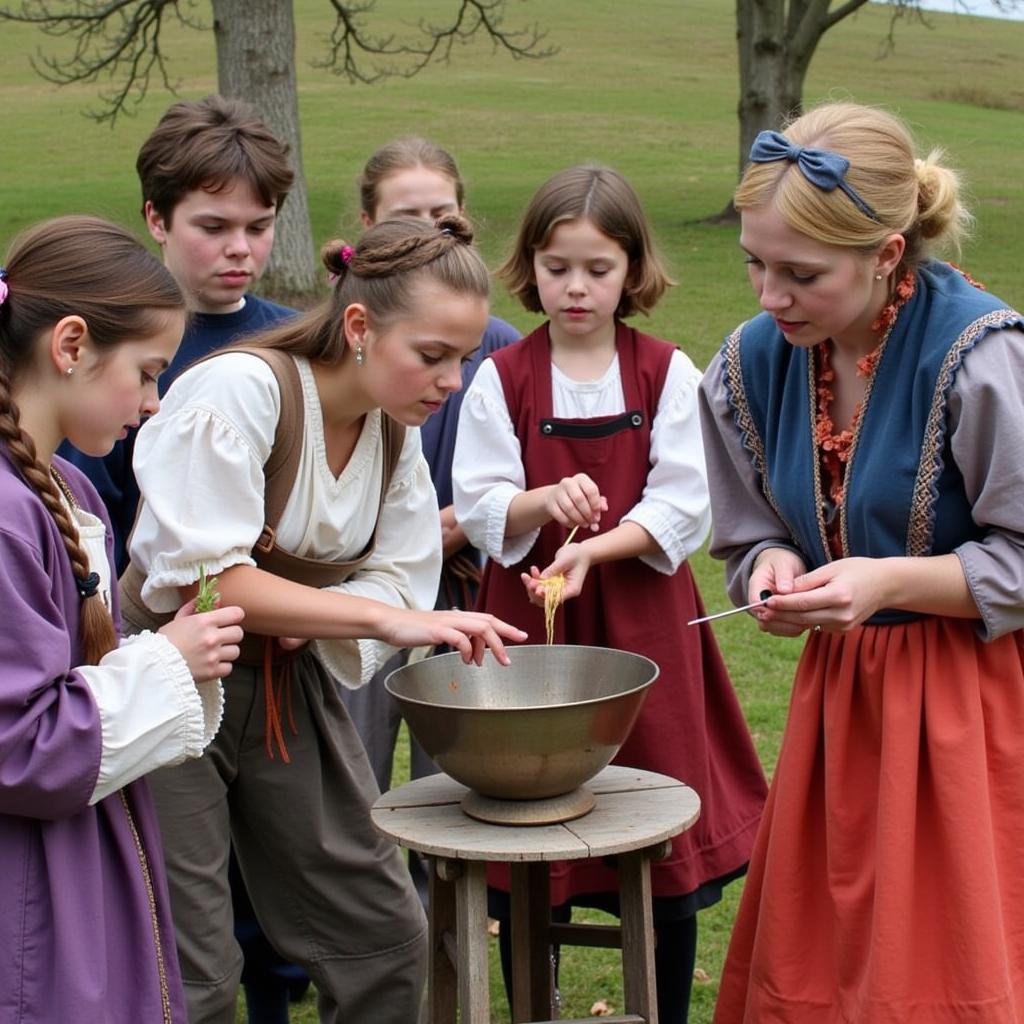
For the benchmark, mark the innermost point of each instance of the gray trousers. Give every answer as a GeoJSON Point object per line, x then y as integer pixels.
{"type": "Point", "coordinates": [330, 893]}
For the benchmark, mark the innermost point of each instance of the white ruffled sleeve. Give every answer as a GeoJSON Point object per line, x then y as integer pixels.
{"type": "Point", "coordinates": [199, 466]}
{"type": "Point", "coordinates": [675, 508]}
{"type": "Point", "coordinates": [404, 570]}
{"type": "Point", "coordinates": [152, 713]}
{"type": "Point", "coordinates": [487, 472]}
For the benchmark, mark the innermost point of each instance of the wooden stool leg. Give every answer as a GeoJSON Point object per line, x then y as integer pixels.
{"type": "Point", "coordinates": [532, 982]}
{"type": "Point", "coordinates": [442, 992]}
{"type": "Point", "coordinates": [471, 916]}
{"type": "Point", "coordinates": [637, 935]}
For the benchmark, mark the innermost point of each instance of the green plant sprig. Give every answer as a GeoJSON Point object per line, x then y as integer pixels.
{"type": "Point", "coordinates": [207, 598]}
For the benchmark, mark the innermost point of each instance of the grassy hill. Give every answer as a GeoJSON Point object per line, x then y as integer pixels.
{"type": "Point", "coordinates": [650, 88]}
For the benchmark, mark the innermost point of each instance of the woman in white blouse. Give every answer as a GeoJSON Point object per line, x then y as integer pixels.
{"type": "Point", "coordinates": [287, 779]}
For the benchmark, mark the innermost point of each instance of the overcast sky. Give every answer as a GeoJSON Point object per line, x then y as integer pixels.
{"type": "Point", "coordinates": [985, 8]}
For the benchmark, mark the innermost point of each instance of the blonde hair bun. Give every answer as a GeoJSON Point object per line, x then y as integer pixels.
{"type": "Point", "coordinates": [940, 211]}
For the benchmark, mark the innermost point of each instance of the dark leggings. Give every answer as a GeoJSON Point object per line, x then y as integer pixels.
{"type": "Point", "coordinates": [675, 955]}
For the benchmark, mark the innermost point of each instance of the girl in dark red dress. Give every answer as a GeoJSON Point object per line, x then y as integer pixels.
{"type": "Point", "coordinates": [587, 422]}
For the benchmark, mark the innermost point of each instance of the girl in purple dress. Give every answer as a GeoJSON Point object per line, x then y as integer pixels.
{"type": "Point", "coordinates": [88, 320]}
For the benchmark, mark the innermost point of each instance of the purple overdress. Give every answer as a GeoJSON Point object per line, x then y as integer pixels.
{"type": "Point", "coordinates": [85, 926]}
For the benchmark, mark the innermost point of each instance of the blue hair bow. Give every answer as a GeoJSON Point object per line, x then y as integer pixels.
{"type": "Point", "coordinates": [823, 169]}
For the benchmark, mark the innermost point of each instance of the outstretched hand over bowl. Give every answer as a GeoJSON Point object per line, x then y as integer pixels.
{"type": "Point", "coordinates": [469, 633]}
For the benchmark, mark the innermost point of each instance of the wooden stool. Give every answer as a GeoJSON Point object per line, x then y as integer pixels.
{"type": "Point", "coordinates": [637, 812]}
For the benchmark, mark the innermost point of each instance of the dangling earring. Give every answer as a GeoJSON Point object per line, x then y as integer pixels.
{"type": "Point", "coordinates": [360, 355]}
{"type": "Point", "coordinates": [878, 277]}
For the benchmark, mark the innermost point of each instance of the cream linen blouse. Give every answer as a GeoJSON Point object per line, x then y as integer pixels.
{"type": "Point", "coordinates": [199, 465]}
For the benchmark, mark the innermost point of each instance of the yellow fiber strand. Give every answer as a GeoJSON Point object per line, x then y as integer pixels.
{"type": "Point", "coordinates": [553, 587]}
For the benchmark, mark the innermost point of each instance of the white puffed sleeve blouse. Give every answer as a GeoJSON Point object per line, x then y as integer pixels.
{"type": "Point", "coordinates": [199, 465]}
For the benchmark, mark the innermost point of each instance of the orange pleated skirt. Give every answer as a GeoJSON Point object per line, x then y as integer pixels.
{"type": "Point", "coordinates": [887, 879]}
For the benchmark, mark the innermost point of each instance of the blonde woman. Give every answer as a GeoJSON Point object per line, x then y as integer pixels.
{"type": "Point", "coordinates": [863, 442]}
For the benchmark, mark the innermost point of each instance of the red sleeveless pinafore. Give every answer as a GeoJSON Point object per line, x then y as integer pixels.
{"type": "Point", "coordinates": [691, 727]}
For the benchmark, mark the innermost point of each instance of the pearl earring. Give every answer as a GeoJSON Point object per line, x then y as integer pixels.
{"type": "Point", "coordinates": [360, 355]}
{"type": "Point", "coordinates": [878, 277]}
{"type": "Point", "coordinates": [70, 371]}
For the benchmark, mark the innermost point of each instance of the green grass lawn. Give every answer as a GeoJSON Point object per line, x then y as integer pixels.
{"type": "Point", "coordinates": [650, 88]}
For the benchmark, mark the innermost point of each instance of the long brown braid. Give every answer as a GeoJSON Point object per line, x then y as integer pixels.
{"type": "Point", "coordinates": [96, 632]}
{"type": "Point", "coordinates": [87, 267]}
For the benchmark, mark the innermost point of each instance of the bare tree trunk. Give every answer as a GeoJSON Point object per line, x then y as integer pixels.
{"type": "Point", "coordinates": [771, 74]}
{"type": "Point", "coordinates": [776, 40]}
{"type": "Point", "coordinates": [256, 62]}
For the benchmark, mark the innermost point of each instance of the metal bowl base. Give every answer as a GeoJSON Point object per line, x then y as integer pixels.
{"type": "Point", "coordinates": [548, 811]}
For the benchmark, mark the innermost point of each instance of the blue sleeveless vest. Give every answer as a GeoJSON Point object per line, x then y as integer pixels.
{"type": "Point", "coordinates": [903, 494]}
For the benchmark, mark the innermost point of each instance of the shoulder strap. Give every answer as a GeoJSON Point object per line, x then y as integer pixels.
{"type": "Point", "coordinates": [393, 434]}
{"type": "Point", "coordinates": [283, 462]}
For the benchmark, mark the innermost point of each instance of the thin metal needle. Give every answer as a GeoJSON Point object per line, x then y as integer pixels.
{"type": "Point", "coordinates": [731, 611]}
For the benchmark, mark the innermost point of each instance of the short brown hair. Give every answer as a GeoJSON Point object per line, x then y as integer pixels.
{"type": "Point", "coordinates": [208, 144]}
{"type": "Point", "coordinates": [600, 195]}
{"type": "Point", "coordinates": [402, 155]}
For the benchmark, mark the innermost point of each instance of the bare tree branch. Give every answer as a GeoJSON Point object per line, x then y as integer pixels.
{"type": "Point", "coordinates": [114, 40]}
{"type": "Point", "coordinates": [910, 10]}
{"type": "Point", "coordinates": [118, 41]}
{"type": "Point", "coordinates": [902, 10]}
{"type": "Point", "coordinates": [433, 43]}
{"type": "Point", "coordinates": [842, 11]}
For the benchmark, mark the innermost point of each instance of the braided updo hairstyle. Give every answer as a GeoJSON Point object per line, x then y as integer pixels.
{"type": "Point", "coordinates": [381, 271]}
{"type": "Point", "coordinates": [74, 266]}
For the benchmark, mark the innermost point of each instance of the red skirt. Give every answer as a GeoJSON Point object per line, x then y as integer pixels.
{"type": "Point", "coordinates": [887, 880]}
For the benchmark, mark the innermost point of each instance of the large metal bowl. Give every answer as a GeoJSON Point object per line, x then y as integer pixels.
{"type": "Point", "coordinates": [535, 729]}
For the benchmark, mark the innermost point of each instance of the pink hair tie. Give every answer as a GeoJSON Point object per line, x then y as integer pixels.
{"type": "Point", "coordinates": [3, 285]}
{"type": "Point", "coordinates": [347, 252]}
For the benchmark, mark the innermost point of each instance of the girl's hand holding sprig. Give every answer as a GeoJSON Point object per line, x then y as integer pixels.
{"type": "Point", "coordinates": [575, 501]}
{"type": "Point", "coordinates": [470, 633]}
{"type": "Point", "coordinates": [208, 641]}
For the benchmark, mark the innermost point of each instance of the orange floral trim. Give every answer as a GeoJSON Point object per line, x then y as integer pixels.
{"type": "Point", "coordinates": [834, 446]}
{"type": "Point", "coordinates": [901, 295]}
{"type": "Point", "coordinates": [967, 277]}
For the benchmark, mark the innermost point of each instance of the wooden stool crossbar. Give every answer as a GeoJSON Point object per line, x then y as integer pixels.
{"type": "Point", "coordinates": [635, 816]}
